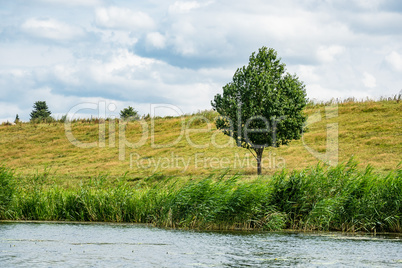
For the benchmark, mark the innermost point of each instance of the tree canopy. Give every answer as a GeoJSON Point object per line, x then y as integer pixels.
{"type": "Point", "coordinates": [129, 114]}
{"type": "Point", "coordinates": [263, 105]}
{"type": "Point", "coordinates": [40, 111]}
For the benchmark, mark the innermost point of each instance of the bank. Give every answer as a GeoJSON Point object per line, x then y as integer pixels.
{"type": "Point", "coordinates": [342, 198]}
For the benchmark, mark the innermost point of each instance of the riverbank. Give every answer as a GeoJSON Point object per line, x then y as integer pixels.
{"type": "Point", "coordinates": [352, 235]}
{"type": "Point", "coordinates": [342, 198]}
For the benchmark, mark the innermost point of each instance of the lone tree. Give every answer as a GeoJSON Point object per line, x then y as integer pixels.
{"type": "Point", "coordinates": [40, 111]}
{"type": "Point", "coordinates": [129, 114]}
{"type": "Point", "coordinates": [262, 106]}
{"type": "Point", "coordinates": [17, 119]}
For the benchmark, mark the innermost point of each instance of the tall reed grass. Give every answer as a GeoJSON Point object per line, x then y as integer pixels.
{"type": "Point", "coordinates": [6, 189]}
{"type": "Point", "coordinates": [335, 198]}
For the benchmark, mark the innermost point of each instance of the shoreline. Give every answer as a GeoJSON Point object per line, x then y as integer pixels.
{"type": "Point", "coordinates": [239, 230]}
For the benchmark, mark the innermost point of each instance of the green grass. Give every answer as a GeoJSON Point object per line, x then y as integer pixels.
{"type": "Point", "coordinates": [43, 176]}
{"type": "Point", "coordinates": [370, 131]}
{"type": "Point", "coordinates": [341, 198]}
{"type": "Point", "coordinates": [7, 187]}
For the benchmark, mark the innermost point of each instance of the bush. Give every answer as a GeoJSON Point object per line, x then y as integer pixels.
{"type": "Point", "coordinates": [63, 119]}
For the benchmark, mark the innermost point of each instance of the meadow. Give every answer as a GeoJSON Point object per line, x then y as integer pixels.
{"type": "Point", "coordinates": [368, 130]}
{"type": "Point", "coordinates": [184, 173]}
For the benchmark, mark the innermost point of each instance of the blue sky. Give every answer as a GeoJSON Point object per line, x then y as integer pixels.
{"type": "Point", "coordinates": [182, 52]}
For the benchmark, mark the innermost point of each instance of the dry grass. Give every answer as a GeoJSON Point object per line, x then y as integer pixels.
{"type": "Point", "coordinates": [370, 131]}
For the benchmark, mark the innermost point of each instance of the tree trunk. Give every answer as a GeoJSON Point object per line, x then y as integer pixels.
{"type": "Point", "coordinates": [259, 152]}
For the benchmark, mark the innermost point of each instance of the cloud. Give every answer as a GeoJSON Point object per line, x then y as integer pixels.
{"type": "Point", "coordinates": [380, 23]}
{"type": "Point", "coordinates": [186, 6]}
{"type": "Point", "coordinates": [73, 2]}
{"type": "Point", "coordinates": [9, 112]}
{"type": "Point", "coordinates": [368, 4]}
{"type": "Point", "coordinates": [123, 18]}
{"type": "Point", "coordinates": [183, 52]}
{"type": "Point", "coordinates": [330, 53]}
{"type": "Point", "coordinates": [319, 93]}
{"type": "Point", "coordinates": [121, 77]}
{"type": "Point", "coordinates": [51, 29]}
{"type": "Point", "coordinates": [156, 40]}
{"type": "Point", "coordinates": [307, 73]}
{"type": "Point", "coordinates": [19, 55]}
{"type": "Point", "coordinates": [395, 60]}
{"type": "Point", "coordinates": [369, 80]}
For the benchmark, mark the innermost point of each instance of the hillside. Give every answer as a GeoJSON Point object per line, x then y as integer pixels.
{"type": "Point", "coordinates": [370, 131]}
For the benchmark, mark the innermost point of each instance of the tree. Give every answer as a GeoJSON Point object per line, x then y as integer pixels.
{"type": "Point", "coordinates": [40, 111]}
{"type": "Point", "coordinates": [262, 106]}
{"type": "Point", "coordinates": [129, 114]}
{"type": "Point", "coordinates": [17, 119]}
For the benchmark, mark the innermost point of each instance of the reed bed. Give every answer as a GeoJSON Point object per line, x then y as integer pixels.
{"type": "Point", "coordinates": [342, 198]}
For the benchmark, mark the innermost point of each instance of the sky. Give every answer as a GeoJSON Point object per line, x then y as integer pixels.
{"type": "Point", "coordinates": [146, 54]}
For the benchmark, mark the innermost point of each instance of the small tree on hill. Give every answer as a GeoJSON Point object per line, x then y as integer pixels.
{"type": "Point", "coordinates": [262, 106]}
{"type": "Point", "coordinates": [129, 114]}
{"type": "Point", "coordinates": [40, 111]}
{"type": "Point", "coordinates": [17, 119]}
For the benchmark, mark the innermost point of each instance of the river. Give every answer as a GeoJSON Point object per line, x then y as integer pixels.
{"type": "Point", "coordinates": [132, 245]}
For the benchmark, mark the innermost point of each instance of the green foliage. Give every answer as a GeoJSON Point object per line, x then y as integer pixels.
{"type": "Point", "coordinates": [263, 105]}
{"type": "Point", "coordinates": [63, 119]}
{"type": "Point", "coordinates": [6, 123]}
{"type": "Point", "coordinates": [6, 190]}
{"type": "Point", "coordinates": [17, 119]}
{"type": "Point", "coordinates": [40, 111]}
{"type": "Point", "coordinates": [129, 114]}
{"type": "Point", "coordinates": [334, 198]}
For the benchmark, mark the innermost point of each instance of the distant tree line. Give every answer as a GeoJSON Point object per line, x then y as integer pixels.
{"type": "Point", "coordinates": [41, 113]}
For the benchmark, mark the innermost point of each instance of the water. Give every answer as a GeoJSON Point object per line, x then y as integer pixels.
{"type": "Point", "coordinates": [127, 245]}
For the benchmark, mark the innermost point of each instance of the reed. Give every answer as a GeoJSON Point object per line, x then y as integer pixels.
{"type": "Point", "coordinates": [342, 198]}
{"type": "Point", "coordinates": [6, 189]}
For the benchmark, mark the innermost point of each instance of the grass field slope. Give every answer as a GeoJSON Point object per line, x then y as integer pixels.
{"type": "Point", "coordinates": [371, 131]}
{"type": "Point", "coordinates": [345, 174]}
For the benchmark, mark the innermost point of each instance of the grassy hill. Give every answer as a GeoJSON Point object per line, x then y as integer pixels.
{"type": "Point", "coordinates": [371, 131]}
{"type": "Point", "coordinates": [161, 171]}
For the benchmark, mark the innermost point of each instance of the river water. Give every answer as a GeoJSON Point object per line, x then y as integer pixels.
{"type": "Point", "coordinates": [130, 245]}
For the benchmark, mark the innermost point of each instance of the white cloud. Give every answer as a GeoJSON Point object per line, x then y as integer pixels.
{"type": "Point", "coordinates": [307, 73]}
{"type": "Point", "coordinates": [73, 2]}
{"type": "Point", "coordinates": [184, 37]}
{"type": "Point", "coordinates": [319, 93]}
{"type": "Point", "coordinates": [184, 51]}
{"type": "Point", "coordinates": [156, 40]}
{"type": "Point", "coordinates": [123, 18]}
{"type": "Point", "coordinates": [67, 74]}
{"type": "Point", "coordinates": [183, 6]}
{"type": "Point", "coordinates": [35, 55]}
{"type": "Point", "coordinates": [369, 80]}
{"type": "Point", "coordinates": [329, 53]}
{"type": "Point", "coordinates": [123, 59]}
{"type": "Point", "coordinates": [380, 23]}
{"type": "Point", "coordinates": [120, 37]}
{"type": "Point", "coordinates": [9, 111]}
{"type": "Point", "coordinates": [51, 29]}
{"type": "Point", "coordinates": [368, 4]}
{"type": "Point", "coordinates": [395, 60]}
